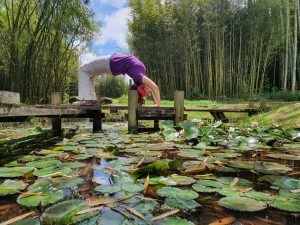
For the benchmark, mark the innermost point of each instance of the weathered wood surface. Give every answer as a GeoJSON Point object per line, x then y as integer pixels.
{"type": "Point", "coordinates": [16, 111]}
{"type": "Point", "coordinates": [7, 97]}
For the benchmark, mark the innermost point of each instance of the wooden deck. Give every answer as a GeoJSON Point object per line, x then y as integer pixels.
{"type": "Point", "coordinates": [57, 112]}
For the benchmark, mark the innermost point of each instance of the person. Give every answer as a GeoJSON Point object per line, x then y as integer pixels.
{"type": "Point", "coordinates": [115, 64]}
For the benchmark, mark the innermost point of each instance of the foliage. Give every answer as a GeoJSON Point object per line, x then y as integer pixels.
{"type": "Point", "coordinates": [38, 45]}
{"type": "Point", "coordinates": [216, 48]}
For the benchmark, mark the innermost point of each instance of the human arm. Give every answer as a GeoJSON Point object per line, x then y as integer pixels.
{"type": "Point", "coordinates": [153, 88]}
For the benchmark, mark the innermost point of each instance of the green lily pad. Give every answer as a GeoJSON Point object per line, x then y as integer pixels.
{"type": "Point", "coordinates": [110, 188]}
{"type": "Point", "coordinates": [179, 203]}
{"type": "Point", "coordinates": [284, 156]}
{"type": "Point", "coordinates": [288, 194]}
{"type": "Point", "coordinates": [177, 193]}
{"type": "Point", "coordinates": [132, 188]}
{"type": "Point", "coordinates": [282, 182]}
{"type": "Point", "coordinates": [225, 169]}
{"type": "Point", "coordinates": [242, 204]}
{"type": "Point", "coordinates": [73, 165]}
{"type": "Point", "coordinates": [241, 165]}
{"type": "Point", "coordinates": [173, 221]}
{"type": "Point", "coordinates": [46, 194]}
{"type": "Point", "coordinates": [44, 163]}
{"type": "Point", "coordinates": [259, 196]}
{"type": "Point", "coordinates": [271, 168]}
{"type": "Point", "coordinates": [191, 153]}
{"type": "Point", "coordinates": [229, 192]}
{"type": "Point", "coordinates": [145, 207]}
{"type": "Point", "coordinates": [191, 130]}
{"type": "Point", "coordinates": [242, 183]}
{"type": "Point", "coordinates": [158, 166]}
{"type": "Point", "coordinates": [28, 221]}
{"type": "Point", "coordinates": [28, 158]}
{"type": "Point", "coordinates": [14, 171]}
{"type": "Point", "coordinates": [182, 180]}
{"type": "Point", "coordinates": [66, 182]}
{"type": "Point", "coordinates": [63, 213]}
{"type": "Point", "coordinates": [162, 180]}
{"type": "Point", "coordinates": [204, 189]}
{"type": "Point", "coordinates": [210, 183]}
{"type": "Point", "coordinates": [52, 170]}
{"type": "Point", "coordinates": [10, 187]}
{"type": "Point", "coordinates": [290, 205]}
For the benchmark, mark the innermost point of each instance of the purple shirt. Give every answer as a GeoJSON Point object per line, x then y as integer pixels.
{"type": "Point", "coordinates": [127, 64]}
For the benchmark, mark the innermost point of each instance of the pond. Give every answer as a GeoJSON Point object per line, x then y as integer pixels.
{"type": "Point", "coordinates": [193, 173]}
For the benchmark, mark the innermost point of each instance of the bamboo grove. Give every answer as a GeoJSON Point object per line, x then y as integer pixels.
{"type": "Point", "coordinates": [214, 48]}
{"type": "Point", "coordinates": [38, 44]}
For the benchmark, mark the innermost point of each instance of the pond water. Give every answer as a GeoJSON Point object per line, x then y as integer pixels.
{"type": "Point", "coordinates": [210, 173]}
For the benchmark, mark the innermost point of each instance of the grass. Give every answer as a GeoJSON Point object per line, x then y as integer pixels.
{"type": "Point", "coordinates": [287, 116]}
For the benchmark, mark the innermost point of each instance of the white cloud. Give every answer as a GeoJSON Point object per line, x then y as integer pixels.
{"type": "Point", "coordinates": [113, 3]}
{"type": "Point", "coordinates": [114, 28]}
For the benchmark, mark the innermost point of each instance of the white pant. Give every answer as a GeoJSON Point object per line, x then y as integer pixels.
{"type": "Point", "coordinates": [86, 74]}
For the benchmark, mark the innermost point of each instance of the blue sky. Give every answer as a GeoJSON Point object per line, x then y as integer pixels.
{"type": "Point", "coordinates": [113, 16]}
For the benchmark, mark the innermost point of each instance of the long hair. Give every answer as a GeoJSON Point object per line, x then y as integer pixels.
{"type": "Point", "coordinates": [141, 100]}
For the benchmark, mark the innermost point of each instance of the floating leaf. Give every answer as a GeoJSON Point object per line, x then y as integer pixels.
{"type": "Point", "coordinates": [177, 193]}
{"type": "Point", "coordinates": [174, 221]}
{"type": "Point", "coordinates": [110, 188]}
{"type": "Point", "coordinates": [283, 182]}
{"type": "Point", "coordinates": [66, 182]}
{"type": "Point", "coordinates": [182, 180]}
{"type": "Point", "coordinates": [259, 196]}
{"type": "Point", "coordinates": [180, 203]}
{"type": "Point", "coordinates": [290, 205]}
{"type": "Point", "coordinates": [242, 204]}
{"type": "Point", "coordinates": [132, 188]}
{"type": "Point", "coordinates": [242, 183]}
{"type": "Point", "coordinates": [284, 156]}
{"type": "Point", "coordinates": [28, 221]}
{"type": "Point", "coordinates": [44, 163]}
{"type": "Point", "coordinates": [9, 187]}
{"type": "Point", "coordinates": [52, 170]}
{"type": "Point", "coordinates": [49, 194]}
{"type": "Point", "coordinates": [14, 171]}
{"type": "Point", "coordinates": [63, 213]}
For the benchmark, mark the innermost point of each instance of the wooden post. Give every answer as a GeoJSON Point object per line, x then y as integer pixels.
{"type": "Point", "coordinates": [55, 98]}
{"type": "Point", "coordinates": [263, 105]}
{"type": "Point", "coordinates": [156, 125]}
{"type": "Point", "coordinates": [179, 106]}
{"type": "Point", "coordinates": [132, 111]}
{"type": "Point", "coordinates": [56, 121]}
{"type": "Point", "coordinates": [56, 125]}
{"type": "Point", "coordinates": [97, 120]}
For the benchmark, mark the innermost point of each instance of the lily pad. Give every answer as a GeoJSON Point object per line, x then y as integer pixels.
{"type": "Point", "coordinates": [242, 183]}
{"type": "Point", "coordinates": [242, 204]}
{"type": "Point", "coordinates": [229, 192]}
{"type": "Point", "coordinates": [177, 193]}
{"type": "Point", "coordinates": [290, 205]}
{"type": "Point", "coordinates": [52, 170]}
{"type": "Point", "coordinates": [43, 193]}
{"type": "Point", "coordinates": [28, 221]}
{"type": "Point", "coordinates": [132, 188]}
{"type": "Point", "coordinates": [259, 196]}
{"type": "Point", "coordinates": [283, 182]}
{"type": "Point", "coordinates": [284, 156]}
{"type": "Point", "coordinates": [182, 180]}
{"type": "Point", "coordinates": [14, 171]}
{"type": "Point", "coordinates": [10, 187]}
{"type": "Point", "coordinates": [173, 221]}
{"type": "Point", "coordinates": [162, 180]}
{"type": "Point", "coordinates": [66, 182]}
{"type": "Point", "coordinates": [63, 213]}
{"type": "Point", "coordinates": [288, 194]}
{"type": "Point", "coordinates": [110, 188]}
{"type": "Point", "coordinates": [181, 203]}
{"type": "Point", "coordinates": [44, 163]}
{"type": "Point", "coordinates": [204, 189]}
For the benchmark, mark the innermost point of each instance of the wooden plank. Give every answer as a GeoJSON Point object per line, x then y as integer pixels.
{"type": "Point", "coordinates": [27, 111]}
